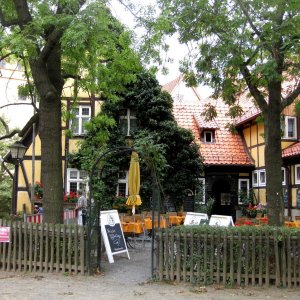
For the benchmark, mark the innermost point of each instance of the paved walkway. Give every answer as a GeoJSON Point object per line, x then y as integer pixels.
{"type": "Point", "coordinates": [125, 279]}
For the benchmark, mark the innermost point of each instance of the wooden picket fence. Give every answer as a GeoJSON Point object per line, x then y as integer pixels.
{"type": "Point", "coordinates": [43, 248]}
{"type": "Point", "coordinates": [229, 256]}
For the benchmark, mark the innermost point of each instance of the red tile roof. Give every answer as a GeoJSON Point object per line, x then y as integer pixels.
{"type": "Point", "coordinates": [293, 150]}
{"type": "Point", "coordinates": [228, 148]}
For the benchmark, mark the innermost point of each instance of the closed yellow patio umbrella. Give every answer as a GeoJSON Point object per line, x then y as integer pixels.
{"type": "Point", "coordinates": [134, 198]}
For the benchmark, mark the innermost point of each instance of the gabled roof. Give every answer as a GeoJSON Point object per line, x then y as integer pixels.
{"type": "Point", "coordinates": [228, 148]}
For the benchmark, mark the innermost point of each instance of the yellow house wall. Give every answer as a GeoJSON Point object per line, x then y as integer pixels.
{"type": "Point", "coordinates": [260, 195]}
{"type": "Point", "coordinates": [247, 136]}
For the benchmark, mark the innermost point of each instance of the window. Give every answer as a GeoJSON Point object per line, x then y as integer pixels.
{"type": "Point", "coordinates": [262, 178]}
{"type": "Point", "coordinates": [289, 128]}
{"type": "Point", "coordinates": [208, 136]}
{"type": "Point", "coordinates": [82, 116]}
{"type": "Point", "coordinates": [122, 188]}
{"type": "Point", "coordinates": [283, 175]}
{"type": "Point", "coordinates": [297, 174]}
{"type": "Point", "coordinates": [128, 122]}
{"type": "Point", "coordinates": [2, 63]}
{"type": "Point", "coordinates": [76, 180]}
{"type": "Point", "coordinates": [200, 191]}
{"type": "Point", "coordinates": [255, 178]}
{"type": "Point", "coordinates": [244, 187]}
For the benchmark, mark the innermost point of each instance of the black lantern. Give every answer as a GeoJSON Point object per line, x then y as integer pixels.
{"type": "Point", "coordinates": [17, 150]}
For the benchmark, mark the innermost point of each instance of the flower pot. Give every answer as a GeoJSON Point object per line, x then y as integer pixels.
{"type": "Point", "coordinates": [69, 205]}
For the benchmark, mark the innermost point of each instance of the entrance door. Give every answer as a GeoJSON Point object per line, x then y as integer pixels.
{"type": "Point", "coordinates": [221, 192]}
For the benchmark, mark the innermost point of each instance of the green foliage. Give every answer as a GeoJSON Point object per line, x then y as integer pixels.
{"type": "Point", "coordinates": [5, 180]}
{"type": "Point", "coordinates": [167, 152]}
{"type": "Point", "coordinates": [238, 45]}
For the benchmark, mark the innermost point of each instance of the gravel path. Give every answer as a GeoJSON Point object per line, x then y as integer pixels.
{"type": "Point", "coordinates": [125, 279]}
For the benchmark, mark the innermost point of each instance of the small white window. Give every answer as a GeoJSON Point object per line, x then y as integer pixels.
{"type": "Point", "coordinates": [82, 116]}
{"type": "Point", "coordinates": [297, 174]}
{"type": "Point", "coordinates": [200, 191]}
{"type": "Point", "coordinates": [262, 178]}
{"type": "Point", "coordinates": [290, 128]}
{"type": "Point", "coordinates": [283, 176]}
{"type": "Point", "coordinates": [122, 188]}
{"type": "Point", "coordinates": [244, 187]}
{"type": "Point", "coordinates": [128, 122]}
{"type": "Point", "coordinates": [76, 180]}
{"type": "Point", "coordinates": [255, 178]}
{"type": "Point", "coordinates": [208, 136]}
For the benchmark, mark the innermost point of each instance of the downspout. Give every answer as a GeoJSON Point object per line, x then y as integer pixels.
{"type": "Point", "coordinates": [289, 191]}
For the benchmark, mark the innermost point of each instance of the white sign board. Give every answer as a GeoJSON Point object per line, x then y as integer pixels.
{"type": "Point", "coordinates": [192, 218]}
{"type": "Point", "coordinates": [112, 234]}
{"type": "Point", "coordinates": [219, 220]}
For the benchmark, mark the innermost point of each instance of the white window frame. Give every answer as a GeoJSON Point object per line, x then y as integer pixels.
{"type": "Point", "coordinates": [123, 180]}
{"type": "Point", "coordinates": [297, 180]}
{"type": "Point", "coordinates": [205, 132]}
{"type": "Point", "coordinates": [129, 116]}
{"type": "Point", "coordinates": [79, 117]}
{"type": "Point", "coordinates": [255, 182]}
{"type": "Point", "coordinates": [260, 182]}
{"type": "Point", "coordinates": [203, 191]}
{"type": "Point", "coordinates": [286, 127]}
{"type": "Point", "coordinates": [284, 176]}
{"type": "Point", "coordinates": [78, 179]}
{"type": "Point", "coordinates": [239, 188]}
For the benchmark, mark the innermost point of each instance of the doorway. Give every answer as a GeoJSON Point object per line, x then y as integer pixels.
{"type": "Point", "coordinates": [221, 192]}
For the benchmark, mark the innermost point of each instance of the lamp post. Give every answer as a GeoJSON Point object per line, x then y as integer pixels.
{"type": "Point", "coordinates": [17, 151]}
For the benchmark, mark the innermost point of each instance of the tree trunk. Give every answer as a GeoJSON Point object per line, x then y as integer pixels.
{"type": "Point", "coordinates": [51, 152]}
{"type": "Point", "coordinates": [273, 158]}
{"type": "Point", "coordinates": [47, 78]}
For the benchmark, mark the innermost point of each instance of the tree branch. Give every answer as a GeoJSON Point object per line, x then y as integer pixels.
{"type": "Point", "coordinates": [255, 92]}
{"type": "Point", "coordinates": [11, 104]}
{"type": "Point", "coordinates": [291, 97]}
{"type": "Point", "coordinates": [22, 10]}
{"type": "Point", "coordinates": [6, 23]}
{"type": "Point", "coordinates": [254, 28]}
{"type": "Point", "coordinates": [5, 125]}
{"type": "Point", "coordinates": [10, 134]}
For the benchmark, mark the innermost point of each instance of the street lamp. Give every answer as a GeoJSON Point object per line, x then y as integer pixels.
{"type": "Point", "coordinates": [17, 151]}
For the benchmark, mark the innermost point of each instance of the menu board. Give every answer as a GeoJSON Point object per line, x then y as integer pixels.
{"type": "Point", "coordinates": [192, 218]}
{"type": "Point", "coordinates": [112, 234]}
{"type": "Point", "coordinates": [220, 220]}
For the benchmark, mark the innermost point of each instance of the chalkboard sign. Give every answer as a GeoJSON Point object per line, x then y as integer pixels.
{"type": "Point", "coordinates": [220, 220]}
{"type": "Point", "coordinates": [192, 218]}
{"type": "Point", "coordinates": [112, 234]}
{"type": "Point", "coordinates": [115, 238]}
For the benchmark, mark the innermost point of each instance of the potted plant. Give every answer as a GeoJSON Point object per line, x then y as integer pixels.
{"type": "Point", "coordinates": [120, 203]}
{"type": "Point", "coordinates": [70, 199]}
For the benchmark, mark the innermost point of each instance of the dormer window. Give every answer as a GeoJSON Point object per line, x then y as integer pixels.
{"type": "Point", "coordinates": [208, 136]}
{"type": "Point", "coordinates": [128, 122]}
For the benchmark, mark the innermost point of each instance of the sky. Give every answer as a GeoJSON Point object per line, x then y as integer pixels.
{"type": "Point", "coordinates": [177, 51]}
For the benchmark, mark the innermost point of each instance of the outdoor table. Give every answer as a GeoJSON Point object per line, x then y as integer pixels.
{"type": "Point", "coordinates": [176, 220]}
{"type": "Point", "coordinates": [134, 227]}
{"type": "Point", "coordinates": [148, 223]}
{"type": "Point", "coordinates": [289, 224]}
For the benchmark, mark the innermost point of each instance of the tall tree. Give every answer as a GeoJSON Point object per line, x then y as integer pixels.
{"type": "Point", "coordinates": [242, 44]}
{"type": "Point", "coordinates": [154, 120]}
{"type": "Point", "coordinates": [57, 40]}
